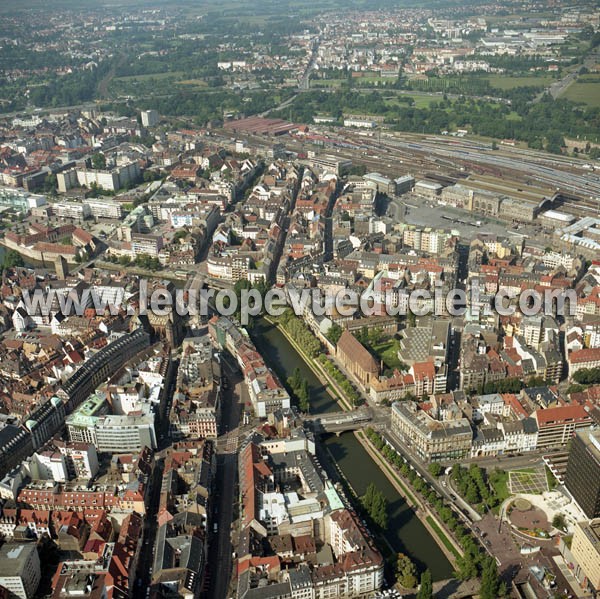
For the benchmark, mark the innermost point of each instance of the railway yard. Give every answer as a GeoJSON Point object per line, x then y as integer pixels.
{"type": "Point", "coordinates": [571, 183]}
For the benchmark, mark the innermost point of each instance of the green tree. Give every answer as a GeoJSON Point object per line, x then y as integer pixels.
{"type": "Point", "coordinates": [559, 521]}
{"type": "Point", "coordinates": [375, 505]}
{"type": "Point", "coordinates": [12, 259]}
{"type": "Point", "coordinates": [426, 587]}
{"type": "Point", "coordinates": [406, 571]}
{"type": "Point", "coordinates": [587, 376]}
{"type": "Point", "coordinates": [491, 585]}
{"type": "Point", "coordinates": [466, 565]}
{"type": "Point", "coordinates": [435, 469]}
{"type": "Point", "coordinates": [334, 333]}
{"type": "Point", "coordinates": [99, 161]}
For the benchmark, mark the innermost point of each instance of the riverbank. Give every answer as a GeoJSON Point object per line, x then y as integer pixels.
{"type": "Point", "coordinates": [451, 549]}
{"type": "Point", "coordinates": [319, 372]}
{"type": "Point", "coordinates": [350, 491]}
{"type": "Point", "coordinates": [346, 455]}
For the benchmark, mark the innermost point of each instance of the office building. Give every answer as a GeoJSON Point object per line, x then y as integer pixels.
{"type": "Point", "coordinates": [20, 569]}
{"type": "Point", "coordinates": [150, 118]}
{"type": "Point", "coordinates": [585, 548]}
{"type": "Point", "coordinates": [582, 478]}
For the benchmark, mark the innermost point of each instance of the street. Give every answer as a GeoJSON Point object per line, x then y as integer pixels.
{"type": "Point", "coordinates": [219, 567]}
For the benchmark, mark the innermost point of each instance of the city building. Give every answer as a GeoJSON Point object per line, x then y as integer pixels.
{"type": "Point", "coordinates": [585, 548]}
{"type": "Point", "coordinates": [556, 426]}
{"type": "Point", "coordinates": [150, 118]}
{"type": "Point", "coordinates": [20, 569]}
{"type": "Point", "coordinates": [74, 210]}
{"type": "Point", "coordinates": [582, 478]}
{"type": "Point", "coordinates": [20, 200]}
{"type": "Point", "coordinates": [332, 164]}
{"type": "Point", "coordinates": [110, 180]}
{"type": "Point", "coordinates": [104, 208]}
{"type": "Point", "coordinates": [356, 359]}
{"type": "Point", "coordinates": [431, 439]}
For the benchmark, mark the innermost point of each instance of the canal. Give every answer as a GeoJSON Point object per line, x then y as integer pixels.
{"type": "Point", "coordinates": [405, 532]}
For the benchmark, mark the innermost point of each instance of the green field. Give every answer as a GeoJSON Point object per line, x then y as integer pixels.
{"type": "Point", "coordinates": [145, 77]}
{"type": "Point", "coordinates": [499, 482]}
{"type": "Point", "coordinates": [316, 83]}
{"type": "Point", "coordinates": [510, 82]}
{"type": "Point", "coordinates": [585, 89]}
{"type": "Point", "coordinates": [422, 100]}
{"type": "Point", "coordinates": [387, 351]}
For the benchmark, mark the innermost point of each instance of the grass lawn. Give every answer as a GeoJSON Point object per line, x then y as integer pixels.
{"type": "Point", "coordinates": [422, 100]}
{"type": "Point", "coordinates": [316, 83]}
{"type": "Point", "coordinates": [157, 76]}
{"type": "Point", "coordinates": [387, 350]}
{"type": "Point", "coordinates": [552, 482]}
{"type": "Point", "coordinates": [194, 82]}
{"type": "Point", "coordinates": [585, 89]}
{"type": "Point", "coordinates": [528, 480]}
{"type": "Point", "coordinates": [510, 82]}
{"type": "Point", "coordinates": [499, 482]}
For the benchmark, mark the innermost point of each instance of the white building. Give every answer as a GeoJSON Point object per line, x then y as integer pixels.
{"type": "Point", "coordinates": [104, 208]}
{"type": "Point", "coordinates": [49, 465]}
{"type": "Point", "coordinates": [427, 189]}
{"type": "Point", "coordinates": [124, 434]}
{"type": "Point", "coordinates": [19, 199]}
{"type": "Point", "coordinates": [111, 180]}
{"type": "Point", "coordinates": [71, 210]}
{"type": "Point", "coordinates": [146, 244]}
{"type": "Point", "coordinates": [362, 123]}
{"type": "Point", "coordinates": [150, 118]}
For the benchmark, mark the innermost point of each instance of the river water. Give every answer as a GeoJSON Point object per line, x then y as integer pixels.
{"type": "Point", "coordinates": [405, 532]}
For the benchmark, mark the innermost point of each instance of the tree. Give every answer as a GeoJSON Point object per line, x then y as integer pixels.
{"type": "Point", "coordinates": [375, 505]}
{"type": "Point", "coordinates": [12, 259]}
{"type": "Point", "coordinates": [559, 521]}
{"type": "Point", "coordinates": [334, 332]}
{"type": "Point", "coordinates": [466, 565]}
{"type": "Point", "coordinates": [491, 585]}
{"type": "Point", "coordinates": [406, 571]}
{"type": "Point", "coordinates": [426, 587]}
{"type": "Point", "coordinates": [435, 469]}
{"type": "Point", "coordinates": [99, 161]}
{"type": "Point", "coordinates": [300, 389]}
{"type": "Point", "coordinates": [587, 376]}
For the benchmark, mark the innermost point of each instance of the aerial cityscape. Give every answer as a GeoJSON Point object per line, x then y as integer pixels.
{"type": "Point", "coordinates": [300, 300]}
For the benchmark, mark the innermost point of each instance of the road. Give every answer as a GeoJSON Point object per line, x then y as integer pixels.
{"type": "Point", "coordinates": [460, 506]}
{"type": "Point", "coordinates": [558, 87]}
{"type": "Point", "coordinates": [146, 557]}
{"type": "Point", "coordinates": [220, 563]}
{"type": "Point", "coordinates": [507, 462]}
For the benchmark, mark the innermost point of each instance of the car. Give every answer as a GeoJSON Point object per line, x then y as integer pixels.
{"type": "Point", "coordinates": [453, 496]}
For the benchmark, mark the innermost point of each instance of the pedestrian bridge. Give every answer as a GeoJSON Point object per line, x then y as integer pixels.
{"type": "Point", "coordinates": [339, 422]}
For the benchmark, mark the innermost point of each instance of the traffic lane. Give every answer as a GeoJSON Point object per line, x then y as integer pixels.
{"type": "Point", "coordinates": [220, 555]}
